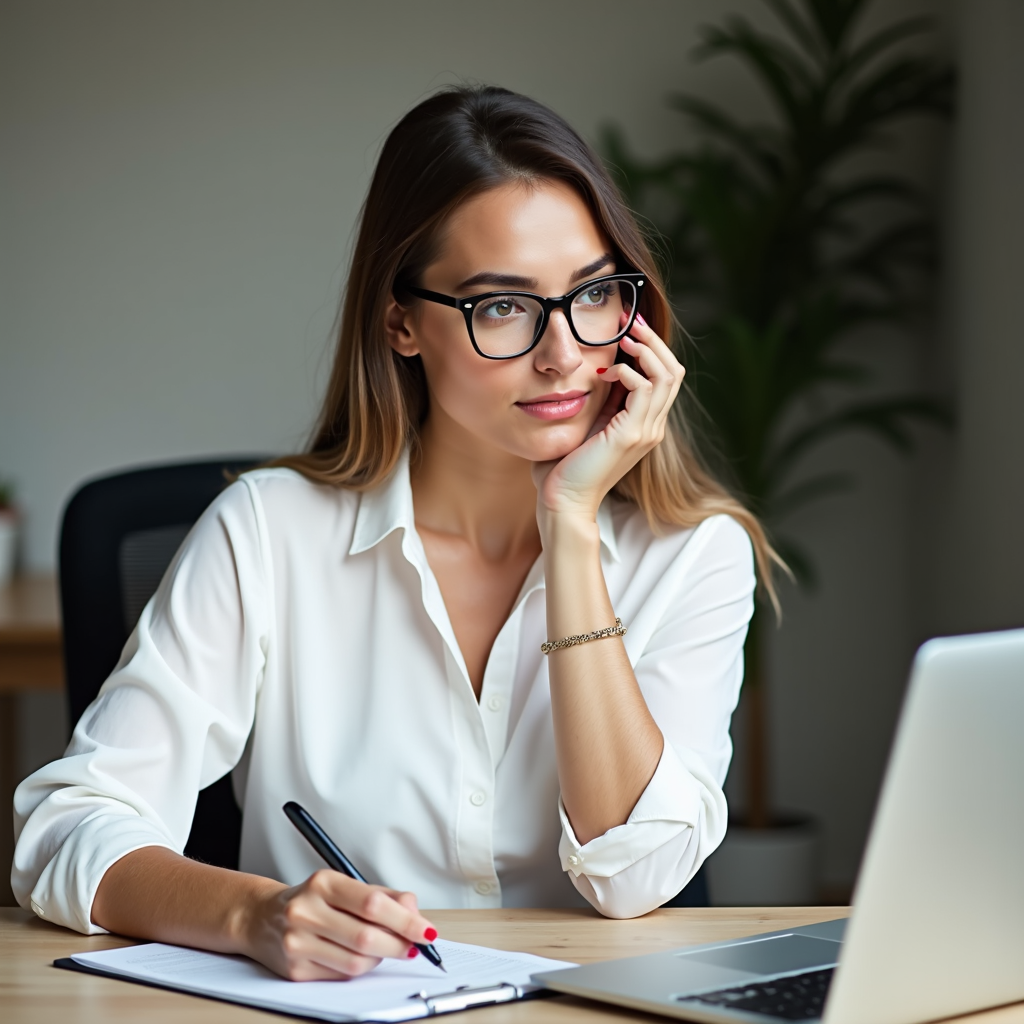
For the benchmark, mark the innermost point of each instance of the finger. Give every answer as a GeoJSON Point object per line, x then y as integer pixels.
{"type": "Point", "coordinates": [642, 331]}
{"type": "Point", "coordinates": [370, 940]}
{"type": "Point", "coordinates": [652, 365]}
{"type": "Point", "coordinates": [613, 403]}
{"type": "Point", "coordinates": [655, 362]}
{"type": "Point", "coordinates": [643, 334]}
{"type": "Point", "coordinates": [313, 958]}
{"type": "Point", "coordinates": [375, 905]}
{"type": "Point", "coordinates": [639, 391]}
{"type": "Point", "coordinates": [631, 379]}
{"type": "Point", "coordinates": [665, 355]}
{"type": "Point", "coordinates": [664, 380]}
{"type": "Point", "coordinates": [310, 915]}
{"type": "Point", "coordinates": [342, 929]}
{"type": "Point", "coordinates": [407, 899]}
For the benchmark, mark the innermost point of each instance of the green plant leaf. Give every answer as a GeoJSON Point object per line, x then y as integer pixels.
{"type": "Point", "coordinates": [800, 563]}
{"type": "Point", "coordinates": [807, 491]}
{"type": "Point", "coordinates": [889, 418]}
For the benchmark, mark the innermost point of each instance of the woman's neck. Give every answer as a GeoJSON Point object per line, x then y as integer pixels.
{"type": "Point", "coordinates": [464, 487]}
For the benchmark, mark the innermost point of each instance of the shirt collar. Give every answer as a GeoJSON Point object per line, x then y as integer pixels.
{"type": "Point", "coordinates": [388, 507]}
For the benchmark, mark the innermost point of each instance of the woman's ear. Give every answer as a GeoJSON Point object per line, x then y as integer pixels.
{"type": "Point", "coordinates": [398, 329]}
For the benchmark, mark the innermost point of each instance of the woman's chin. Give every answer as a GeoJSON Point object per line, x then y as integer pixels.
{"type": "Point", "coordinates": [550, 449]}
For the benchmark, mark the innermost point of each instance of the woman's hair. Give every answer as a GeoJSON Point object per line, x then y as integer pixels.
{"type": "Point", "coordinates": [456, 144]}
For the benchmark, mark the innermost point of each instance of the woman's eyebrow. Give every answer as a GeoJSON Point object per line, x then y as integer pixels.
{"type": "Point", "coordinates": [592, 268]}
{"type": "Point", "coordinates": [502, 280]}
{"type": "Point", "coordinates": [526, 283]}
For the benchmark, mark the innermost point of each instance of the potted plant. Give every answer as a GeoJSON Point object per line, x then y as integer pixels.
{"type": "Point", "coordinates": [8, 532]}
{"type": "Point", "coordinates": [782, 248]}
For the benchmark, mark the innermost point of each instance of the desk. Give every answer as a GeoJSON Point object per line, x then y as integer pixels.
{"type": "Point", "coordinates": [32, 990]}
{"type": "Point", "coordinates": [31, 655]}
{"type": "Point", "coordinates": [31, 658]}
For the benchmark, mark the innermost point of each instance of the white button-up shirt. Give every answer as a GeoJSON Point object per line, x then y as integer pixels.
{"type": "Point", "coordinates": [300, 639]}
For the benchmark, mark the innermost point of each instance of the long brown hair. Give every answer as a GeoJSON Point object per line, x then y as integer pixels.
{"type": "Point", "coordinates": [456, 144]}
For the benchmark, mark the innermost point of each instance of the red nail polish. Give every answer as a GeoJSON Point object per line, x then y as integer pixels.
{"type": "Point", "coordinates": [602, 369]}
{"type": "Point", "coordinates": [430, 934]}
{"type": "Point", "coordinates": [640, 320]}
{"type": "Point", "coordinates": [413, 952]}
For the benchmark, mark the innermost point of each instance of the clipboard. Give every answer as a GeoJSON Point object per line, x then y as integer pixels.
{"type": "Point", "coordinates": [238, 980]}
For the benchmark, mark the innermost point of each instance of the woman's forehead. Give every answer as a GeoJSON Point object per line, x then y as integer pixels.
{"type": "Point", "coordinates": [527, 228]}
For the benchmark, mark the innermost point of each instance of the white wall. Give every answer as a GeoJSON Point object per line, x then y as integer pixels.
{"type": "Point", "coordinates": [180, 181]}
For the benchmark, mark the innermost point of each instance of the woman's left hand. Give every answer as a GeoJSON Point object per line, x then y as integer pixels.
{"type": "Point", "coordinates": [621, 435]}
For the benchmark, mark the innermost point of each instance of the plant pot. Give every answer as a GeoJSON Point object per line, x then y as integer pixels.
{"type": "Point", "coordinates": [8, 545]}
{"type": "Point", "coordinates": [766, 867]}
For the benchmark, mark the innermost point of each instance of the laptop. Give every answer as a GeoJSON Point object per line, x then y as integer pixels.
{"type": "Point", "coordinates": [937, 928]}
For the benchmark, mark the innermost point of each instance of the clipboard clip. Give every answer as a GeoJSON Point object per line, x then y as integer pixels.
{"type": "Point", "coordinates": [467, 998]}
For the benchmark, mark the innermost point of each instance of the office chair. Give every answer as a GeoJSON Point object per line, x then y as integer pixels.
{"type": "Point", "coordinates": [118, 535]}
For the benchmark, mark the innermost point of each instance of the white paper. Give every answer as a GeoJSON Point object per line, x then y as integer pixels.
{"type": "Point", "coordinates": [388, 993]}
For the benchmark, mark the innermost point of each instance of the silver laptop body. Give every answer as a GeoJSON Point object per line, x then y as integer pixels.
{"type": "Point", "coordinates": [937, 927]}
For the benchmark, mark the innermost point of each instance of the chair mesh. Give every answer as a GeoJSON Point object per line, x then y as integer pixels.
{"type": "Point", "coordinates": [142, 560]}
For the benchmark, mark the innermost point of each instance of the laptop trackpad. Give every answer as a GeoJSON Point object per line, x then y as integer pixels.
{"type": "Point", "coordinates": [776, 955]}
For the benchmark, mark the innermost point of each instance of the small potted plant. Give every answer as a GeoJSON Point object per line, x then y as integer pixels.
{"type": "Point", "coordinates": [9, 521]}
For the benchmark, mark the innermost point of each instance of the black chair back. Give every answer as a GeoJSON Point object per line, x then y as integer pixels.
{"type": "Point", "coordinates": [117, 538]}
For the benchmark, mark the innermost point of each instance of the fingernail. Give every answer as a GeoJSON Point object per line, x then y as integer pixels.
{"type": "Point", "coordinates": [640, 320]}
{"type": "Point", "coordinates": [413, 952]}
{"type": "Point", "coordinates": [430, 934]}
{"type": "Point", "coordinates": [602, 369]}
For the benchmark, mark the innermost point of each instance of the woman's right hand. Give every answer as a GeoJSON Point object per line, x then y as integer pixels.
{"type": "Point", "coordinates": [332, 927]}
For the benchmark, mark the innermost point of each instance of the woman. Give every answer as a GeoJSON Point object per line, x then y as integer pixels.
{"type": "Point", "coordinates": [359, 628]}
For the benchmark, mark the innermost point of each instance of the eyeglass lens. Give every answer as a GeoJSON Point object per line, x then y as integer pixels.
{"type": "Point", "coordinates": [506, 325]}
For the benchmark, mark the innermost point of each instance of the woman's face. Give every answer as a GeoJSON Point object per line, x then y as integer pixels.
{"type": "Point", "coordinates": [530, 237]}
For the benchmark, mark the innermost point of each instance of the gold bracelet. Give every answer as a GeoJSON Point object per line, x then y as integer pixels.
{"type": "Point", "coordinates": [581, 638]}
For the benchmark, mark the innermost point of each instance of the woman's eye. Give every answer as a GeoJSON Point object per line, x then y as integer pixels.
{"type": "Point", "coordinates": [501, 309]}
{"type": "Point", "coordinates": [594, 296]}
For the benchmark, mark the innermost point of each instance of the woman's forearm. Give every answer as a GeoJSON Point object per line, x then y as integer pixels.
{"type": "Point", "coordinates": [608, 744]}
{"type": "Point", "coordinates": [156, 894]}
{"type": "Point", "coordinates": [328, 927]}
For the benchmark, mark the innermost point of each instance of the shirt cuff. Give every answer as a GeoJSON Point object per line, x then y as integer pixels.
{"type": "Point", "coordinates": [67, 886]}
{"type": "Point", "coordinates": [676, 799]}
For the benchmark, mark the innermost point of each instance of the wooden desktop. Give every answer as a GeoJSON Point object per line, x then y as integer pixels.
{"type": "Point", "coordinates": [32, 990]}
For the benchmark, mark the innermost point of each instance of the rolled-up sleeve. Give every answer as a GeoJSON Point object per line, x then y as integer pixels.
{"type": "Point", "coordinates": [173, 717]}
{"type": "Point", "coordinates": [686, 647]}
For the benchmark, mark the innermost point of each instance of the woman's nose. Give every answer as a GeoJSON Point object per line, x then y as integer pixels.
{"type": "Point", "coordinates": [557, 350]}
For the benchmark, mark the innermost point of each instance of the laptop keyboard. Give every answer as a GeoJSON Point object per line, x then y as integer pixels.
{"type": "Point", "coordinates": [801, 997]}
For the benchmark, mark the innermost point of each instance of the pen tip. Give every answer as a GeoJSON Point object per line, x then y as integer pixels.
{"type": "Point", "coordinates": [443, 968]}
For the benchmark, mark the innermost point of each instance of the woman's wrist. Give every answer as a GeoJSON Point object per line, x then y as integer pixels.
{"type": "Point", "coordinates": [568, 533]}
{"type": "Point", "coordinates": [577, 600]}
{"type": "Point", "coordinates": [246, 919]}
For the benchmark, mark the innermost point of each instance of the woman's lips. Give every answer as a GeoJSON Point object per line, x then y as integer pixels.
{"type": "Point", "coordinates": [555, 407]}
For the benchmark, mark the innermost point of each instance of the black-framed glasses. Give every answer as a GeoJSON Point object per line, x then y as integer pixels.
{"type": "Point", "coordinates": [506, 324]}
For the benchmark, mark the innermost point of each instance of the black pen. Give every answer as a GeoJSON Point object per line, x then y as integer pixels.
{"type": "Point", "coordinates": [328, 849]}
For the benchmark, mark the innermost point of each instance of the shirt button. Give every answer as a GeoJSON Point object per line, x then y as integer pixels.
{"type": "Point", "coordinates": [478, 799]}
{"type": "Point", "coordinates": [575, 860]}
{"type": "Point", "coordinates": [483, 888]}
{"type": "Point", "coordinates": [494, 703]}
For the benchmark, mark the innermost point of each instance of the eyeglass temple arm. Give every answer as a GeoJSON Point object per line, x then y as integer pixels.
{"type": "Point", "coordinates": [424, 293]}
